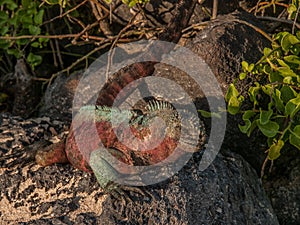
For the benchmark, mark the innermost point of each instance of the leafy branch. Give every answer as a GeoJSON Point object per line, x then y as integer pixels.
{"type": "Point", "coordinates": [279, 74]}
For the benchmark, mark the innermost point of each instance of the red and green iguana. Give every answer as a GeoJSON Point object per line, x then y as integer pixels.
{"type": "Point", "coordinates": [100, 116]}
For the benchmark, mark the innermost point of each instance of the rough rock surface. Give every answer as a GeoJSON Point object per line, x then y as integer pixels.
{"type": "Point", "coordinates": [31, 194]}
{"type": "Point", "coordinates": [224, 44]}
{"type": "Point", "coordinates": [62, 195]}
{"type": "Point", "coordinates": [58, 98]}
{"type": "Point", "coordinates": [283, 187]}
{"type": "Point", "coordinates": [227, 192]}
{"type": "Point", "coordinates": [225, 63]}
{"type": "Point", "coordinates": [22, 89]}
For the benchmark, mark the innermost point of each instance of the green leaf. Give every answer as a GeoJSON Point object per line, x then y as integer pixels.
{"type": "Point", "coordinates": [274, 150]}
{"type": "Point", "coordinates": [15, 52]}
{"type": "Point", "coordinates": [267, 89]}
{"type": "Point", "coordinates": [294, 137]}
{"type": "Point", "coordinates": [38, 18]}
{"type": "Point", "coordinates": [23, 41]}
{"type": "Point", "coordinates": [287, 93]}
{"type": "Point", "coordinates": [4, 44]}
{"type": "Point", "coordinates": [291, 8]}
{"type": "Point", "coordinates": [246, 118]}
{"type": "Point", "coordinates": [288, 80]}
{"type": "Point", "coordinates": [3, 17]}
{"type": "Point", "coordinates": [3, 30]}
{"type": "Point", "coordinates": [282, 63]}
{"type": "Point", "coordinates": [292, 107]}
{"type": "Point", "coordinates": [35, 44]}
{"type": "Point", "coordinates": [275, 77]}
{"type": "Point", "coordinates": [297, 34]}
{"type": "Point", "coordinates": [204, 113]}
{"type": "Point", "coordinates": [34, 30]}
{"type": "Point", "coordinates": [278, 101]}
{"type": "Point", "coordinates": [245, 66]}
{"type": "Point", "coordinates": [279, 36]}
{"type": "Point", "coordinates": [264, 116]}
{"type": "Point", "coordinates": [288, 40]}
{"type": "Point", "coordinates": [26, 20]}
{"type": "Point", "coordinates": [244, 129]}
{"type": "Point", "coordinates": [292, 59]}
{"type": "Point", "coordinates": [267, 69]}
{"type": "Point", "coordinates": [10, 4]}
{"type": "Point", "coordinates": [295, 49]}
{"type": "Point", "coordinates": [34, 60]}
{"type": "Point", "coordinates": [267, 52]}
{"type": "Point", "coordinates": [231, 92]}
{"type": "Point", "coordinates": [248, 114]}
{"type": "Point", "coordinates": [251, 67]}
{"type": "Point", "coordinates": [269, 129]}
{"type": "Point", "coordinates": [26, 3]}
{"type": "Point", "coordinates": [234, 104]}
{"type": "Point", "coordinates": [14, 20]}
{"type": "Point", "coordinates": [243, 76]}
{"type": "Point", "coordinates": [285, 72]}
{"type": "Point", "coordinates": [253, 91]}
{"type": "Point", "coordinates": [252, 127]}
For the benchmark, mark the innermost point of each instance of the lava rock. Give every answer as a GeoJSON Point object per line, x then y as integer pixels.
{"type": "Point", "coordinates": [58, 98]}
{"type": "Point", "coordinates": [227, 192]}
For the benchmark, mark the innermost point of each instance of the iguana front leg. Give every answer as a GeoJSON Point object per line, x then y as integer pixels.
{"type": "Point", "coordinates": [106, 174]}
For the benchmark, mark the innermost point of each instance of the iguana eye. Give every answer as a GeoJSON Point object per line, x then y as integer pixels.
{"type": "Point", "coordinates": [137, 117]}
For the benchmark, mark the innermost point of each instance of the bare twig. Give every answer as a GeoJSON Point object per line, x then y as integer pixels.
{"type": "Point", "coordinates": [67, 70]}
{"type": "Point", "coordinates": [66, 13]}
{"type": "Point", "coordinates": [61, 62]}
{"type": "Point", "coordinates": [195, 26]}
{"type": "Point", "coordinates": [279, 20]}
{"type": "Point", "coordinates": [60, 36]}
{"type": "Point", "coordinates": [215, 10]}
{"type": "Point", "coordinates": [296, 17]}
{"type": "Point", "coordinates": [110, 53]}
{"type": "Point", "coordinates": [263, 167]}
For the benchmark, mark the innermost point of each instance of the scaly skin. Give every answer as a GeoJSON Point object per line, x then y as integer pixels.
{"type": "Point", "coordinates": [68, 150]}
{"type": "Point", "coordinates": [119, 80]}
{"type": "Point", "coordinates": [139, 127]}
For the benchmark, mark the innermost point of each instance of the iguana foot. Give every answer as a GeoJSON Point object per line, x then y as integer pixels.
{"type": "Point", "coordinates": [122, 193]}
{"type": "Point", "coordinates": [122, 196]}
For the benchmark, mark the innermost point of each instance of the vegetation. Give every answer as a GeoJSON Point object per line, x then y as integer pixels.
{"type": "Point", "coordinates": [131, 3]}
{"type": "Point", "coordinates": [23, 29]}
{"type": "Point", "coordinates": [17, 20]}
{"type": "Point", "coordinates": [25, 33]}
{"type": "Point", "coordinates": [275, 96]}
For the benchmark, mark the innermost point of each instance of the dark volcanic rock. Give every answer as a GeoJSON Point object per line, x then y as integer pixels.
{"type": "Point", "coordinates": [57, 194]}
{"type": "Point", "coordinates": [224, 44]}
{"type": "Point", "coordinates": [58, 99]}
{"type": "Point", "coordinates": [283, 187]}
{"type": "Point", "coordinates": [23, 90]}
{"type": "Point", "coordinates": [228, 192]}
